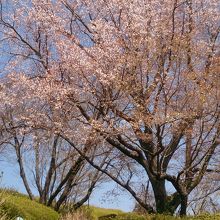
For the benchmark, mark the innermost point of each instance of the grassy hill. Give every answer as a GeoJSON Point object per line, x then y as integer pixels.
{"type": "Point", "coordinates": [133, 216]}
{"type": "Point", "coordinates": [96, 213]}
{"type": "Point", "coordinates": [114, 214]}
{"type": "Point", "coordinates": [15, 204]}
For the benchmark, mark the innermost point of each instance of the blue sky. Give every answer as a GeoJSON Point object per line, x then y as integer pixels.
{"type": "Point", "coordinates": [100, 197]}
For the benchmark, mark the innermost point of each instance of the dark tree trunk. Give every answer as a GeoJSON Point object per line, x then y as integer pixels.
{"type": "Point", "coordinates": [183, 205]}
{"type": "Point", "coordinates": [160, 195]}
{"type": "Point", "coordinates": [89, 192]}
{"type": "Point", "coordinates": [64, 195]}
{"type": "Point", "coordinates": [68, 181]}
{"type": "Point", "coordinates": [23, 176]}
{"type": "Point", "coordinates": [21, 168]}
{"type": "Point", "coordinates": [164, 203]}
{"type": "Point", "coordinates": [84, 199]}
{"type": "Point", "coordinates": [44, 196]}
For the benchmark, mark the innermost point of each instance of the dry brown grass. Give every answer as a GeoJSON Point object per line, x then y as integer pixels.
{"type": "Point", "coordinates": [79, 215]}
{"type": "Point", "coordinates": [2, 216]}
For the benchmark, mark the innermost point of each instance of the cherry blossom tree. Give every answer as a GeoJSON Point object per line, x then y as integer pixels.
{"type": "Point", "coordinates": [47, 162]}
{"type": "Point", "coordinates": [140, 76]}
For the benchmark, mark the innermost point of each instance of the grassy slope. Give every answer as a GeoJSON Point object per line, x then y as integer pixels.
{"type": "Point", "coordinates": [16, 204]}
{"type": "Point", "coordinates": [100, 212]}
{"type": "Point", "coordinates": [132, 216]}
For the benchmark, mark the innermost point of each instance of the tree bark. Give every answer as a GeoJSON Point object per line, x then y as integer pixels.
{"type": "Point", "coordinates": [68, 186]}
{"type": "Point", "coordinates": [160, 195]}
{"type": "Point", "coordinates": [183, 204]}
{"type": "Point", "coordinates": [44, 196]}
{"type": "Point", "coordinates": [21, 168]}
{"type": "Point", "coordinates": [86, 197]}
{"type": "Point", "coordinates": [164, 203]}
{"type": "Point", "coordinates": [68, 181]}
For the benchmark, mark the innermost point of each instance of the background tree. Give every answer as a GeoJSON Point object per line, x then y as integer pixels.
{"type": "Point", "coordinates": [46, 161]}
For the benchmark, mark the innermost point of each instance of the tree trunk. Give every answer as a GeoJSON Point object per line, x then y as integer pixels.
{"type": "Point", "coordinates": [21, 168]}
{"type": "Point", "coordinates": [68, 181]}
{"type": "Point", "coordinates": [160, 195]}
{"type": "Point", "coordinates": [52, 167]}
{"type": "Point", "coordinates": [164, 203]}
{"type": "Point", "coordinates": [183, 204]}
{"type": "Point", "coordinates": [23, 176]}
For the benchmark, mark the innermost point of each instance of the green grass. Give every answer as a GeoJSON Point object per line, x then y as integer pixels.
{"type": "Point", "coordinates": [98, 212]}
{"type": "Point", "coordinates": [133, 216]}
{"type": "Point", "coordinates": [16, 204]}
{"type": "Point", "coordinates": [108, 214]}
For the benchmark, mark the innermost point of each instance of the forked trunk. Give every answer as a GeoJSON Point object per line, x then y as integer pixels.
{"type": "Point", "coordinates": [164, 204]}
